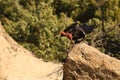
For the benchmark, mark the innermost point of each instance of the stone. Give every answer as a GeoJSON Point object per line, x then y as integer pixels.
{"type": "Point", "coordinates": [84, 62]}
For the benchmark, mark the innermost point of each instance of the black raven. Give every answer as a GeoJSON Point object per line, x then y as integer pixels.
{"type": "Point", "coordinates": [75, 31]}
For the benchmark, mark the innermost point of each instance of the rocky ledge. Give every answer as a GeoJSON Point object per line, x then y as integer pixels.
{"type": "Point", "coordinates": [87, 63]}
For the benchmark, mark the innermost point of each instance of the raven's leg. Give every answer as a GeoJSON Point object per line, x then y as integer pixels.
{"type": "Point", "coordinates": [76, 41]}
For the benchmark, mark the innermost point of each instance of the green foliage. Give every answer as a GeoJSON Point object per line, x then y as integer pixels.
{"type": "Point", "coordinates": [36, 28]}
{"type": "Point", "coordinates": [36, 24]}
{"type": "Point", "coordinates": [107, 39]}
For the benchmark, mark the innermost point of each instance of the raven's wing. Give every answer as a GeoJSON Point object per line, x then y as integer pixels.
{"type": "Point", "coordinates": [70, 28]}
{"type": "Point", "coordinates": [87, 29]}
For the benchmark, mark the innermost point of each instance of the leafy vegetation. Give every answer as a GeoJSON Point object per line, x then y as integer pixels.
{"type": "Point", "coordinates": [36, 24]}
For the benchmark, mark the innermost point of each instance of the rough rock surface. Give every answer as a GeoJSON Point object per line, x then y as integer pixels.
{"type": "Point", "coordinates": [87, 63]}
{"type": "Point", "coordinates": [17, 63]}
